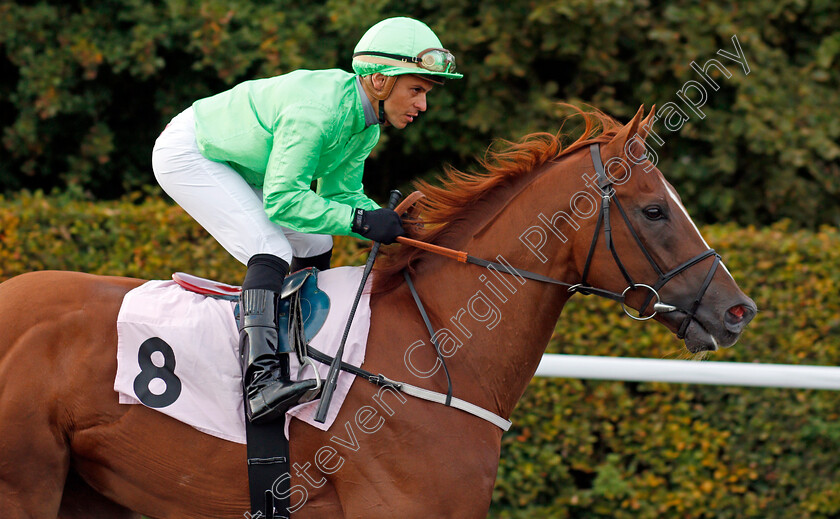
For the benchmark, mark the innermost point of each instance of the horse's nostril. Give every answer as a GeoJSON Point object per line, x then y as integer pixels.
{"type": "Point", "coordinates": [737, 312]}
{"type": "Point", "coordinates": [738, 316]}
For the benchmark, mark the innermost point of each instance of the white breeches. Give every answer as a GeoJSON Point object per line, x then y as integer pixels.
{"type": "Point", "coordinates": [220, 200]}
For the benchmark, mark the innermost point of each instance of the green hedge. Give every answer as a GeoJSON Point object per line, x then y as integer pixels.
{"type": "Point", "coordinates": [578, 449]}
{"type": "Point", "coordinates": [85, 87]}
{"type": "Point", "coordinates": [593, 449]}
{"type": "Point", "coordinates": [149, 239]}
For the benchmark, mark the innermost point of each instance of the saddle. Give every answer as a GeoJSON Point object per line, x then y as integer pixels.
{"type": "Point", "coordinates": [303, 309]}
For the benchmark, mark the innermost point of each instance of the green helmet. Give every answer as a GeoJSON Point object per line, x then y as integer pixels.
{"type": "Point", "coordinates": [397, 46]}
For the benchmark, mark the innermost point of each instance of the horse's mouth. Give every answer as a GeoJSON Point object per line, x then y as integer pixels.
{"type": "Point", "coordinates": [711, 328]}
{"type": "Point", "coordinates": [698, 338]}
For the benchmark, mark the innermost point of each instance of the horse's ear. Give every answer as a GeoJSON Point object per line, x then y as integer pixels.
{"type": "Point", "coordinates": [627, 139]}
{"type": "Point", "coordinates": [644, 126]}
{"type": "Point", "coordinates": [626, 133]}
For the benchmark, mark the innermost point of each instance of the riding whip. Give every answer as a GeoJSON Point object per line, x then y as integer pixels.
{"type": "Point", "coordinates": [332, 376]}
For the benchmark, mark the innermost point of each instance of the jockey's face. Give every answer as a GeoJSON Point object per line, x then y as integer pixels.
{"type": "Point", "coordinates": [407, 100]}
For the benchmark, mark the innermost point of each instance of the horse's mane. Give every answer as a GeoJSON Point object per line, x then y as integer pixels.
{"type": "Point", "coordinates": [504, 161]}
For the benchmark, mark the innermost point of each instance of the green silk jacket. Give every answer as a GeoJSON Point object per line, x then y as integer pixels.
{"type": "Point", "coordinates": [281, 133]}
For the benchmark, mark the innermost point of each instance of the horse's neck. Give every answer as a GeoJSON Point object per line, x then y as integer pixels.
{"type": "Point", "coordinates": [504, 322]}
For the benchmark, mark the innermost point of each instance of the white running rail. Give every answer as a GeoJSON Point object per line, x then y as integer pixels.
{"type": "Point", "coordinates": [688, 372]}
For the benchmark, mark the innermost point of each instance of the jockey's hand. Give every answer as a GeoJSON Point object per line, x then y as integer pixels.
{"type": "Point", "coordinates": [382, 225]}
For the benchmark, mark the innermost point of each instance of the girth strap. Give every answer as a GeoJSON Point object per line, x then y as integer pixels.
{"type": "Point", "coordinates": [268, 469]}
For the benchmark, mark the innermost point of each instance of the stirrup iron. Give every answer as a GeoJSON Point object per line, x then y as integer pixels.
{"type": "Point", "coordinates": [313, 393]}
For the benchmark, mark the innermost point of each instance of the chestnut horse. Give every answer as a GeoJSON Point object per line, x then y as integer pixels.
{"type": "Point", "coordinates": [69, 449]}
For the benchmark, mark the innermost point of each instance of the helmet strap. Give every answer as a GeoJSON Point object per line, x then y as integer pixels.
{"type": "Point", "coordinates": [382, 111]}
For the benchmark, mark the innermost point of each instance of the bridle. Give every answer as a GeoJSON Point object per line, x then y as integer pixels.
{"type": "Point", "coordinates": [608, 194]}
{"type": "Point", "coordinates": [608, 197]}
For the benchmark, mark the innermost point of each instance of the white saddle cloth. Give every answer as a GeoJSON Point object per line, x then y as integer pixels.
{"type": "Point", "coordinates": [204, 341]}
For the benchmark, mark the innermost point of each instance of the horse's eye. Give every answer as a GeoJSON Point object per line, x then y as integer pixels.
{"type": "Point", "coordinates": [653, 212]}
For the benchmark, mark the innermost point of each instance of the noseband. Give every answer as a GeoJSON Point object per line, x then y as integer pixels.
{"type": "Point", "coordinates": [608, 195]}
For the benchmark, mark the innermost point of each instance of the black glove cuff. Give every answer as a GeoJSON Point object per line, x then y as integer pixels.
{"type": "Point", "coordinates": [358, 225]}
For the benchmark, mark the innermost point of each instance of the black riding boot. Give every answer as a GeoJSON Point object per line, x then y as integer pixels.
{"type": "Point", "coordinates": [265, 371]}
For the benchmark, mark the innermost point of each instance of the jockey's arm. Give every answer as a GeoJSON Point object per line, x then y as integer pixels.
{"type": "Point", "coordinates": [296, 151]}
{"type": "Point", "coordinates": [344, 185]}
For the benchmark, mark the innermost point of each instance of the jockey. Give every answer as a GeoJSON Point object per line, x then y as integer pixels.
{"type": "Point", "coordinates": [242, 162]}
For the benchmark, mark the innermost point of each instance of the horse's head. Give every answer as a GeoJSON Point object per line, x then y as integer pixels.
{"type": "Point", "coordinates": [648, 248]}
{"type": "Point", "coordinates": [622, 231]}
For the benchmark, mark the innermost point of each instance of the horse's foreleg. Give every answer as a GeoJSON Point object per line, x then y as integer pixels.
{"type": "Point", "coordinates": [80, 501]}
{"type": "Point", "coordinates": [34, 457]}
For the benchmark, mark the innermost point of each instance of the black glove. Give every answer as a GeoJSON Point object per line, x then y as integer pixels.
{"type": "Point", "coordinates": [382, 225]}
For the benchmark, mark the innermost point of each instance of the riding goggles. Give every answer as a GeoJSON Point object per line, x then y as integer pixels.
{"type": "Point", "coordinates": [433, 60]}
